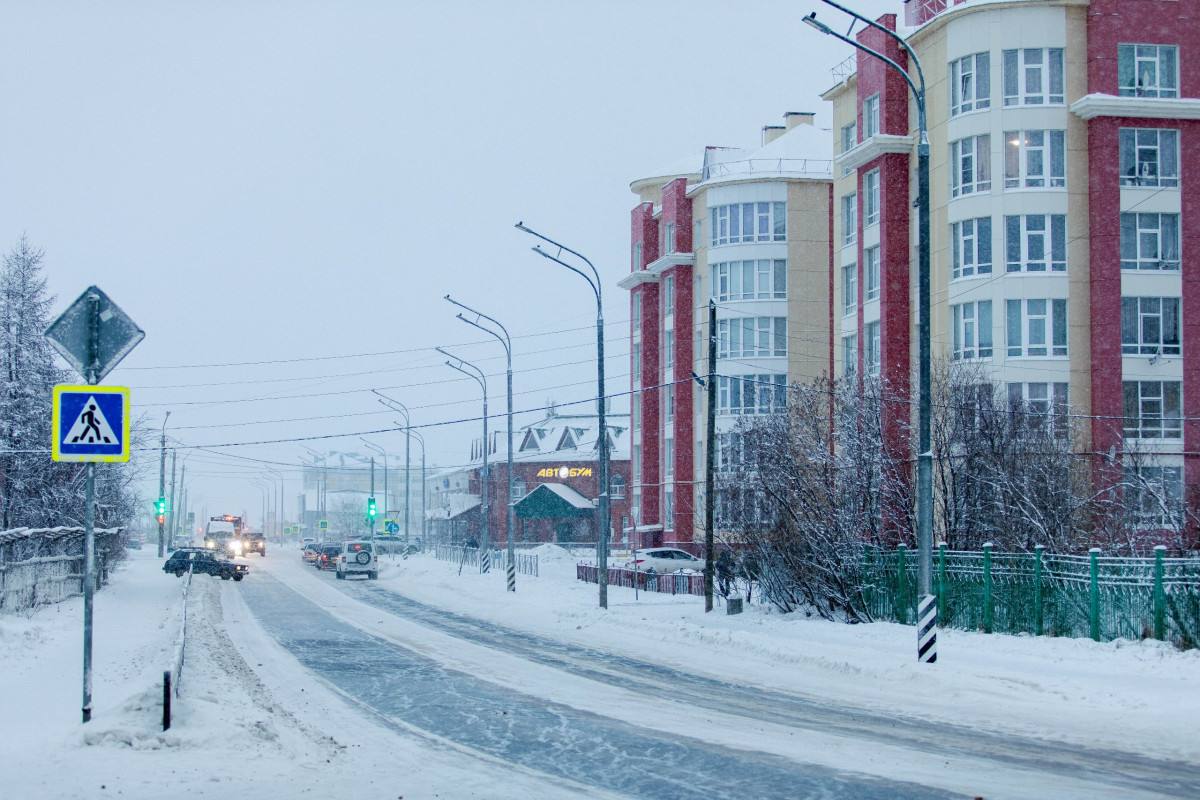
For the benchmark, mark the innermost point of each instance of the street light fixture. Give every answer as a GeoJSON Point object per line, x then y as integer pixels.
{"type": "Point", "coordinates": [927, 614]}
{"type": "Point", "coordinates": [162, 482]}
{"type": "Point", "coordinates": [383, 453]}
{"type": "Point", "coordinates": [593, 281]}
{"type": "Point", "coordinates": [474, 372]}
{"type": "Point", "coordinates": [396, 405]}
{"type": "Point", "coordinates": [504, 339]}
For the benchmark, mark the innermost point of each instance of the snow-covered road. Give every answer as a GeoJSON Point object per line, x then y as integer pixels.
{"type": "Point", "coordinates": [593, 716]}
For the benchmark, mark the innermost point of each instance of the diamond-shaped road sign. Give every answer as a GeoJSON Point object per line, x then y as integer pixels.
{"type": "Point", "coordinates": [116, 334]}
{"type": "Point", "coordinates": [90, 423]}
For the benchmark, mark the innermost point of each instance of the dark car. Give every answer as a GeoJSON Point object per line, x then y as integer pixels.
{"type": "Point", "coordinates": [328, 557]}
{"type": "Point", "coordinates": [254, 543]}
{"type": "Point", "coordinates": [204, 560]}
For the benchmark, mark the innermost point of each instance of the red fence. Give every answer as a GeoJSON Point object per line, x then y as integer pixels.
{"type": "Point", "coordinates": [673, 583]}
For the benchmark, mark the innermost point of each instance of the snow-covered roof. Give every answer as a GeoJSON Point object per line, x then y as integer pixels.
{"type": "Point", "coordinates": [574, 498]}
{"type": "Point", "coordinates": [805, 151]}
{"type": "Point", "coordinates": [455, 504]}
{"type": "Point", "coordinates": [689, 166]}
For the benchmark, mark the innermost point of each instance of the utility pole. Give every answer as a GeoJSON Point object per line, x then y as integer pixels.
{"type": "Point", "coordinates": [371, 516]}
{"type": "Point", "coordinates": [162, 476]}
{"type": "Point", "coordinates": [710, 461]}
{"type": "Point", "coordinates": [182, 501]}
{"type": "Point", "coordinates": [474, 372]}
{"type": "Point", "coordinates": [171, 505]}
{"type": "Point", "coordinates": [407, 484]}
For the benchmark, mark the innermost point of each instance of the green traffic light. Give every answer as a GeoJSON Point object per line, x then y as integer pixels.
{"type": "Point", "coordinates": [371, 509]}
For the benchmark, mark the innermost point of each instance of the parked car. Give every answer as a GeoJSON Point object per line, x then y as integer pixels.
{"type": "Point", "coordinates": [664, 559]}
{"type": "Point", "coordinates": [328, 556]}
{"type": "Point", "coordinates": [357, 558]}
{"type": "Point", "coordinates": [204, 560]}
{"type": "Point", "coordinates": [310, 552]}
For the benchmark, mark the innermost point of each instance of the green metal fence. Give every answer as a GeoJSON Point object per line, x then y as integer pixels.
{"type": "Point", "coordinates": [1102, 597]}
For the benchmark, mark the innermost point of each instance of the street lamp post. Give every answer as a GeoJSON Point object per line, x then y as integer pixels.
{"type": "Point", "coordinates": [421, 441]}
{"type": "Point", "coordinates": [474, 372]}
{"type": "Point", "coordinates": [504, 339]}
{"type": "Point", "coordinates": [396, 405]}
{"type": "Point", "coordinates": [927, 608]}
{"type": "Point", "coordinates": [162, 478]}
{"type": "Point", "coordinates": [594, 282]}
{"type": "Point", "coordinates": [383, 453]}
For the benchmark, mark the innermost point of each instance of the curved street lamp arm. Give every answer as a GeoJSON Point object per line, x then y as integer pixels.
{"type": "Point", "coordinates": [506, 341]}
{"type": "Point", "coordinates": [521, 226]}
{"type": "Point", "coordinates": [462, 366]}
{"type": "Point", "coordinates": [595, 286]}
{"type": "Point", "coordinates": [393, 404]}
{"type": "Point", "coordinates": [895, 36]}
{"type": "Point", "coordinates": [812, 20]}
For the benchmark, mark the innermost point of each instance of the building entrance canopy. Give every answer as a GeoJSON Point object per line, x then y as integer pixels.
{"type": "Point", "coordinates": [553, 501]}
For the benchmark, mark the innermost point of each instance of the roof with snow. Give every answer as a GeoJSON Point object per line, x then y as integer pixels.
{"type": "Point", "coordinates": [549, 500]}
{"type": "Point", "coordinates": [805, 151]}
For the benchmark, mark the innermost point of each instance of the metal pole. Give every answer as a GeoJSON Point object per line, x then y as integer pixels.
{"type": "Point", "coordinates": [407, 484]}
{"type": "Point", "coordinates": [171, 504]}
{"type": "Point", "coordinates": [162, 475]}
{"type": "Point", "coordinates": [89, 518]}
{"type": "Point", "coordinates": [710, 457]}
{"type": "Point", "coordinates": [182, 499]}
{"type": "Point", "coordinates": [370, 519]}
{"type": "Point", "coordinates": [480, 378]}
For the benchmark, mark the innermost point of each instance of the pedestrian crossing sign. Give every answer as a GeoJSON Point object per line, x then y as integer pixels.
{"type": "Point", "coordinates": [90, 423]}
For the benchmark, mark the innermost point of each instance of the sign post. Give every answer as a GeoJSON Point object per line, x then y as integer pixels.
{"type": "Point", "coordinates": [90, 423]}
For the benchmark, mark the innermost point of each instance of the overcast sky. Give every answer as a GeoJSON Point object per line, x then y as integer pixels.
{"type": "Point", "coordinates": [280, 181]}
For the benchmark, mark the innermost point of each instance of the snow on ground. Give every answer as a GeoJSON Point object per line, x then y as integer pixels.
{"type": "Point", "coordinates": [1134, 696]}
{"type": "Point", "coordinates": [250, 718]}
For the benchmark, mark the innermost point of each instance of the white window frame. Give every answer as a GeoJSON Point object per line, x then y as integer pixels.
{"type": "Point", "coordinates": [849, 219]}
{"type": "Point", "coordinates": [1049, 399]}
{"type": "Point", "coordinates": [669, 402]}
{"type": "Point", "coordinates": [850, 354]}
{"type": "Point", "coordinates": [1132, 60]}
{"type": "Point", "coordinates": [636, 352]}
{"type": "Point", "coordinates": [1150, 242]}
{"type": "Point", "coordinates": [970, 83]}
{"type": "Point", "coordinates": [668, 456]}
{"type": "Point", "coordinates": [849, 140]}
{"type": "Point", "coordinates": [971, 248]}
{"type": "Point", "coordinates": [1149, 157]}
{"type": "Point", "coordinates": [668, 295]}
{"type": "Point", "coordinates": [1164, 510]}
{"type": "Point", "coordinates": [1035, 159]}
{"type": "Point", "coordinates": [971, 330]}
{"type": "Point", "coordinates": [637, 256]}
{"type": "Point", "coordinates": [669, 238]}
{"type": "Point", "coordinates": [871, 274]}
{"type": "Point", "coordinates": [871, 119]}
{"type": "Point", "coordinates": [748, 395]}
{"type": "Point", "coordinates": [849, 289]}
{"type": "Point", "coordinates": [872, 199]}
{"type": "Point", "coordinates": [752, 337]}
{"type": "Point", "coordinates": [1158, 406]}
{"type": "Point", "coordinates": [1142, 316]}
{"type": "Point", "coordinates": [744, 223]}
{"type": "Point", "coordinates": [1035, 243]}
{"type": "Point", "coordinates": [872, 356]}
{"type": "Point", "coordinates": [1033, 76]}
{"type": "Point", "coordinates": [1036, 327]}
{"type": "Point", "coordinates": [757, 279]}
{"type": "Point", "coordinates": [668, 350]}
{"type": "Point", "coordinates": [971, 155]}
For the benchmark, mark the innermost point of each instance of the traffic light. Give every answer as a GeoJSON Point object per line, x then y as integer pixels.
{"type": "Point", "coordinates": [372, 511]}
{"type": "Point", "coordinates": [160, 510]}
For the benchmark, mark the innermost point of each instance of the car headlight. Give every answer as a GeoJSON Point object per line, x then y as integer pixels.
{"type": "Point", "coordinates": [235, 546]}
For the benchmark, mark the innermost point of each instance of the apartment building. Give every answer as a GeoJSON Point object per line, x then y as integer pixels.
{"type": "Point", "coordinates": [748, 228]}
{"type": "Point", "coordinates": [1065, 193]}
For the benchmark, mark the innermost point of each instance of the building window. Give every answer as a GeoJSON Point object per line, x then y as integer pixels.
{"type": "Point", "coordinates": [1035, 243]}
{"type": "Point", "coordinates": [1152, 409]}
{"type": "Point", "coordinates": [668, 457]}
{"type": "Point", "coordinates": [1033, 76]}
{"type": "Point", "coordinates": [668, 350]}
{"type": "Point", "coordinates": [1150, 326]}
{"type": "Point", "coordinates": [1037, 327]}
{"type": "Point", "coordinates": [748, 222]}
{"type": "Point", "coordinates": [970, 84]}
{"type": "Point", "coordinates": [668, 508]}
{"type": "Point", "coordinates": [637, 466]}
{"type": "Point", "coordinates": [1149, 157]}
{"type": "Point", "coordinates": [752, 337]}
{"type": "Point", "coordinates": [1155, 495]}
{"type": "Point", "coordinates": [871, 273]}
{"type": "Point", "coordinates": [751, 394]}
{"type": "Point", "coordinates": [730, 453]}
{"type": "Point", "coordinates": [971, 247]}
{"type": "Point", "coordinates": [871, 190]}
{"type": "Point", "coordinates": [637, 256]}
{"type": "Point", "coordinates": [636, 312]}
{"type": "Point", "coordinates": [670, 402]}
{"type": "Point", "coordinates": [668, 295]}
{"type": "Point", "coordinates": [871, 356]}
{"type": "Point", "coordinates": [972, 330]}
{"type": "Point", "coordinates": [870, 116]}
{"type": "Point", "coordinates": [669, 238]}
{"type": "Point", "coordinates": [1150, 241]}
{"type": "Point", "coordinates": [849, 289]}
{"type": "Point", "coordinates": [616, 487]}
{"type": "Point", "coordinates": [1147, 70]}
{"type": "Point", "coordinates": [1035, 159]}
{"type": "Point", "coordinates": [637, 363]}
{"type": "Point", "coordinates": [849, 354]}
{"type": "Point", "coordinates": [518, 491]}
{"type": "Point", "coordinates": [762, 279]}
{"type": "Point", "coordinates": [849, 138]}
{"type": "Point", "coordinates": [1049, 401]}
{"type": "Point", "coordinates": [849, 219]}
{"type": "Point", "coordinates": [635, 411]}
{"type": "Point", "coordinates": [971, 165]}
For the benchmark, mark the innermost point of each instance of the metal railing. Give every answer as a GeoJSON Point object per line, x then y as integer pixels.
{"type": "Point", "coordinates": [662, 582]}
{"type": "Point", "coordinates": [173, 678]}
{"type": "Point", "coordinates": [526, 563]}
{"type": "Point", "coordinates": [774, 166]}
{"type": "Point", "coordinates": [844, 69]}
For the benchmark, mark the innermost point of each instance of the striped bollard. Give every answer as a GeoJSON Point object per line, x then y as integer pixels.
{"type": "Point", "coordinates": [927, 629]}
{"type": "Point", "coordinates": [485, 561]}
{"type": "Point", "coordinates": [512, 576]}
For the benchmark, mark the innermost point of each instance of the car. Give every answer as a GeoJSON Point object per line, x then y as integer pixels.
{"type": "Point", "coordinates": [328, 556]}
{"type": "Point", "coordinates": [203, 560]}
{"type": "Point", "coordinates": [306, 541]}
{"type": "Point", "coordinates": [664, 559]}
{"type": "Point", "coordinates": [357, 558]}
{"type": "Point", "coordinates": [310, 552]}
{"type": "Point", "coordinates": [254, 543]}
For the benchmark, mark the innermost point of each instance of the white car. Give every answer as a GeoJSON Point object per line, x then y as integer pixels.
{"type": "Point", "coordinates": [664, 559]}
{"type": "Point", "coordinates": [357, 558]}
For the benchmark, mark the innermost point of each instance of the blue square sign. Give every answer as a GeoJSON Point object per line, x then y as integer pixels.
{"type": "Point", "coordinates": [90, 423]}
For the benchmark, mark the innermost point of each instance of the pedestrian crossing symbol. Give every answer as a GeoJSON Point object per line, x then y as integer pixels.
{"type": "Point", "coordinates": [90, 423]}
